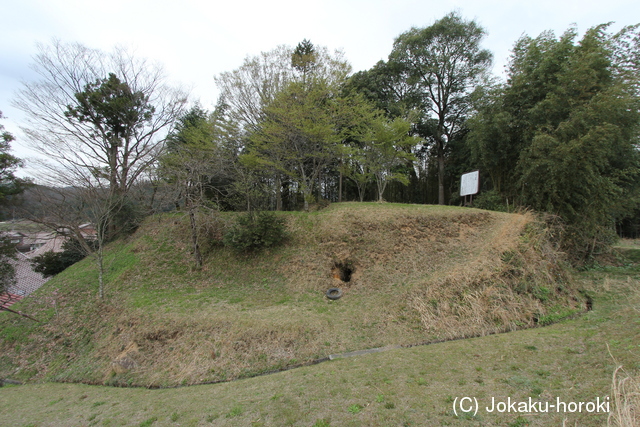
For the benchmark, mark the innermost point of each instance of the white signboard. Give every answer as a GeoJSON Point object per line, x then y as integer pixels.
{"type": "Point", "coordinates": [469, 184]}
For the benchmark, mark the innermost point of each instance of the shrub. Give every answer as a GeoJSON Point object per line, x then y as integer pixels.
{"type": "Point", "coordinates": [490, 200]}
{"type": "Point", "coordinates": [51, 263]}
{"type": "Point", "coordinates": [255, 231]}
{"type": "Point", "coordinates": [7, 270]}
{"type": "Point", "coordinates": [126, 220]}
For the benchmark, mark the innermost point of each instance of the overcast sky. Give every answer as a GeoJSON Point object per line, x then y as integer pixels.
{"type": "Point", "coordinates": [196, 40]}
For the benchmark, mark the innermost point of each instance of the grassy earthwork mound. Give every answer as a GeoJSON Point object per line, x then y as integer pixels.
{"type": "Point", "coordinates": [409, 274]}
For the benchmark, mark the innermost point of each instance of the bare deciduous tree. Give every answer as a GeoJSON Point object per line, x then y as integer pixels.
{"type": "Point", "coordinates": [197, 167]}
{"type": "Point", "coordinates": [249, 88]}
{"type": "Point", "coordinates": [87, 142]}
{"type": "Point", "coordinates": [70, 207]}
{"type": "Point", "coordinates": [99, 120]}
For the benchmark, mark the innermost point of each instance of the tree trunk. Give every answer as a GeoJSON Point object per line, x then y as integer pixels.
{"type": "Point", "coordinates": [114, 188]}
{"type": "Point", "coordinates": [440, 172]}
{"type": "Point", "coordinates": [194, 230]}
{"type": "Point", "coordinates": [194, 236]}
{"type": "Point", "coordinates": [319, 188]}
{"type": "Point", "coordinates": [340, 185]}
{"type": "Point", "coordinates": [381, 184]}
{"type": "Point", "coordinates": [100, 261]}
{"type": "Point", "coordinates": [306, 195]}
{"type": "Point", "coordinates": [278, 193]}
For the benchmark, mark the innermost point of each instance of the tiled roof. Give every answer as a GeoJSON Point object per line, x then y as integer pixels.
{"type": "Point", "coordinates": [36, 243]}
{"type": "Point", "coordinates": [46, 242]}
{"type": "Point", "coordinates": [6, 300]}
{"type": "Point", "coordinates": [27, 280]}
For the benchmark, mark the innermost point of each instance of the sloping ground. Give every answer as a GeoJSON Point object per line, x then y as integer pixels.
{"type": "Point", "coordinates": [409, 275]}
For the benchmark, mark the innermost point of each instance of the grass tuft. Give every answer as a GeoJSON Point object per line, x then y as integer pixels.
{"type": "Point", "coordinates": [625, 392]}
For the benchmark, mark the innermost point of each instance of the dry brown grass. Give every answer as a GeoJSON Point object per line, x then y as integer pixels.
{"type": "Point", "coordinates": [625, 392]}
{"type": "Point", "coordinates": [513, 281]}
{"type": "Point", "coordinates": [418, 274]}
{"type": "Point", "coordinates": [211, 347]}
{"type": "Point", "coordinates": [625, 386]}
{"type": "Point", "coordinates": [384, 245]}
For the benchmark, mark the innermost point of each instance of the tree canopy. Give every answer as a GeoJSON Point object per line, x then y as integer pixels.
{"type": "Point", "coordinates": [93, 111]}
{"type": "Point", "coordinates": [443, 63]}
{"type": "Point", "coordinates": [298, 137]}
{"type": "Point", "coordinates": [561, 135]}
{"type": "Point", "coordinates": [9, 183]}
{"type": "Point", "coordinates": [115, 113]}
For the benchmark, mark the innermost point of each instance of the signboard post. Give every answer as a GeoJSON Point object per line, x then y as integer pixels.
{"type": "Point", "coordinates": [469, 185]}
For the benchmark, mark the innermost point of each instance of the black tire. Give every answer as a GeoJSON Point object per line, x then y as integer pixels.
{"type": "Point", "coordinates": [334, 293]}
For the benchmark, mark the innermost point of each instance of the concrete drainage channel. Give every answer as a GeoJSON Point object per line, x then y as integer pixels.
{"type": "Point", "coordinates": [299, 365]}
{"type": "Point", "coordinates": [7, 381]}
{"type": "Point", "coordinates": [361, 352]}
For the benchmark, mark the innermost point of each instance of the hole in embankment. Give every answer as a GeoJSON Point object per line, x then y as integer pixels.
{"type": "Point", "coordinates": [589, 303]}
{"type": "Point", "coordinates": [343, 271]}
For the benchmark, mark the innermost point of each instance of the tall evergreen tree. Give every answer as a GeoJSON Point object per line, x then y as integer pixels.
{"type": "Point", "coordinates": [304, 58]}
{"type": "Point", "coordinates": [9, 183]}
{"type": "Point", "coordinates": [443, 62]}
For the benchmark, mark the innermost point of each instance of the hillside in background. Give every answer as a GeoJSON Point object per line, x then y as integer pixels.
{"type": "Point", "coordinates": [410, 274]}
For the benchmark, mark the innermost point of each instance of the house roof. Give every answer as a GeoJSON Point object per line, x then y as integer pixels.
{"type": "Point", "coordinates": [27, 280]}
{"type": "Point", "coordinates": [12, 234]}
{"type": "Point", "coordinates": [45, 242]}
{"type": "Point", "coordinates": [7, 300]}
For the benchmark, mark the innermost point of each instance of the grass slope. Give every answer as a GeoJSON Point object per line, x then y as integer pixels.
{"type": "Point", "coordinates": [573, 360]}
{"type": "Point", "coordinates": [417, 274]}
